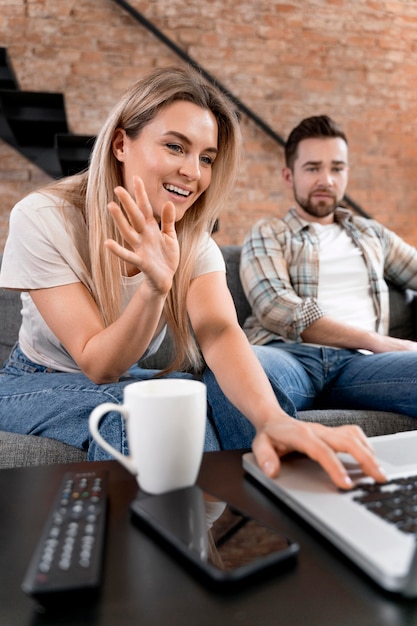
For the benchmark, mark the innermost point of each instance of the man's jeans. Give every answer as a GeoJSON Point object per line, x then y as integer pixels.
{"type": "Point", "coordinates": [38, 401]}
{"type": "Point", "coordinates": [305, 377]}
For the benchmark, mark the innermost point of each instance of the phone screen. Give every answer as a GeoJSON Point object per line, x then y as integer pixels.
{"type": "Point", "coordinates": [223, 542]}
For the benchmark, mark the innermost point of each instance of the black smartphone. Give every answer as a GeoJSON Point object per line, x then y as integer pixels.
{"type": "Point", "coordinates": [221, 542]}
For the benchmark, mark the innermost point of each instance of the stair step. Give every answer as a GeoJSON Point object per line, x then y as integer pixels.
{"type": "Point", "coordinates": [5, 81]}
{"type": "Point", "coordinates": [73, 152]}
{"type": "Point", "coordinates": [7, 78]}
{"type": "Point", "coordinates": [34, 117]}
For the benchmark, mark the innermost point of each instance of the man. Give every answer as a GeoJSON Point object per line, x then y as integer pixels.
{"type": "Point", "coordinates": [316, 281]}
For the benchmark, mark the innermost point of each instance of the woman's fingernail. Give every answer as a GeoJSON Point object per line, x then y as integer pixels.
{"type": "Point", "coordinates": [348, 481]}
{"type": "Point", "coordinates": [383, 472]}
{"type": "Point", "coordinates": [268, 467]}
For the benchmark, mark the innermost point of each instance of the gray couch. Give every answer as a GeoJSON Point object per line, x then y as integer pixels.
{"type": "Point", "coordinates": [22, 450]}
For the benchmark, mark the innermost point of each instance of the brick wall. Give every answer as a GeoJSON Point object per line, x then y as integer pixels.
{"type": "Point", "coordinates": [355, 60]}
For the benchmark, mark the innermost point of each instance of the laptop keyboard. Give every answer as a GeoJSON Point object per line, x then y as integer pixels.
{"type": "Point", "coordinates": [395, 501]}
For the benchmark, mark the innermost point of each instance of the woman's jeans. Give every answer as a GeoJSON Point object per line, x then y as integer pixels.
{"type": "Point", "coordinates": [36, 400]}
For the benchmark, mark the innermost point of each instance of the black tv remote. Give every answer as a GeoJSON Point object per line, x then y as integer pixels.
{"type": "Point", "coordinates": [68, 557]}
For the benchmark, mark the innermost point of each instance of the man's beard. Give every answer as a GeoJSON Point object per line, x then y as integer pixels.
{"type": "Point", "coordinates": [321, 208]}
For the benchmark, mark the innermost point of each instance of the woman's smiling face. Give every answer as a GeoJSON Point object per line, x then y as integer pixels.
{"type": "Point", "coordinates": [173, 155]}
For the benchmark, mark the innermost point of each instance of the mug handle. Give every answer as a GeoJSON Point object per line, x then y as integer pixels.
{"type": "Point", "coordinates": [94, 420]}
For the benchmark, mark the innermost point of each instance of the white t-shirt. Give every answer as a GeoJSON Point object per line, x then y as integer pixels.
{"type": "Point", "coordinates": [40, 253]}
{"type": "Point", "coordinates": [344, 291]}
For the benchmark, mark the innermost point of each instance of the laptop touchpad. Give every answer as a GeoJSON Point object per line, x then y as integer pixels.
{"type": "Point", "coordinates": [396, 450]}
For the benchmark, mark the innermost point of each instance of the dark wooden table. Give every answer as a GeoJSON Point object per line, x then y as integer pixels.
{"type": "Point", "coordinates": [143, 585]}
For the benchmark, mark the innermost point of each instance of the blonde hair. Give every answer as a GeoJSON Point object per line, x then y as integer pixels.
{"type": "Point", "coordinates": [92, 190]}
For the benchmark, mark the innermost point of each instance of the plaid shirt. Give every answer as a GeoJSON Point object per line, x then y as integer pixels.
{"type": "Point", "coordinates": [280, 265]}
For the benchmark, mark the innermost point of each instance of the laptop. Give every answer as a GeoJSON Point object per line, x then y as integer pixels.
{"type": "Point", "coordinates": [374, 525]}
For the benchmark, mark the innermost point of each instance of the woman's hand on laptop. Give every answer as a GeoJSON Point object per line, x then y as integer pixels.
{"type": "Point", "coordinates": [321, 443]}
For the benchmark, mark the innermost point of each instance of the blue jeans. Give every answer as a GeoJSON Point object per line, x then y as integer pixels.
{"type": "Point", "coordinates": [36, 400]}
{"type": "Point", "coordinates": [306, 377]}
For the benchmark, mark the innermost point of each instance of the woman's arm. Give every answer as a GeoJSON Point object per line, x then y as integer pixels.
{"type": "Point", "coordinates": [104, 353]}
{"type": "Point", "coordinates": [233, 362]}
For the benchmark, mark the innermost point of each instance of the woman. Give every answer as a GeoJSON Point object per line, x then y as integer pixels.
{"type": "Point", "coordinates": [107, 258]}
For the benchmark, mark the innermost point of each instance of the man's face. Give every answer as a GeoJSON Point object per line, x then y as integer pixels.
{"type": "Point", "coordinates": [319, 177]}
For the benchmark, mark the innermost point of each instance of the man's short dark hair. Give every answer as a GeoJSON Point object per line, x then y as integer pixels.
{"type": "Point", "coordinates": [315, 127]}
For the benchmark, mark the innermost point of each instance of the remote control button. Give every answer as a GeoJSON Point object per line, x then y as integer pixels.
{"type": "Point", "coordinates": [89, 529]}
{"type": "Point", "coordinates": [44, 567]}
{"type": "Point", "coordinates": [72, 529]}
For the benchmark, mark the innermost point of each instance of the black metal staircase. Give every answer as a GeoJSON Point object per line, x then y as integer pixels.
{"type": "Point", "coordinates": [7, 78]}
{"type": "Point", "coordinates": [35, 124]}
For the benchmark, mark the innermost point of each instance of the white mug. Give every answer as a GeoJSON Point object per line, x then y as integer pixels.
{"type": "Point", "coordinates": [165, 425]}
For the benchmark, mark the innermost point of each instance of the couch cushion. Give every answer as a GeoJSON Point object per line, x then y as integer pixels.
{"type": "Point", "coordinates": [10, 320]}
{"type": "Point", "coordinates": [23, 450]}
{"type": "Point", "coordinates": [231, 256]}
{"type": "Point", "coordinates": [403, 310]}
{"type": "Point", "coordinates": [373, 423]}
